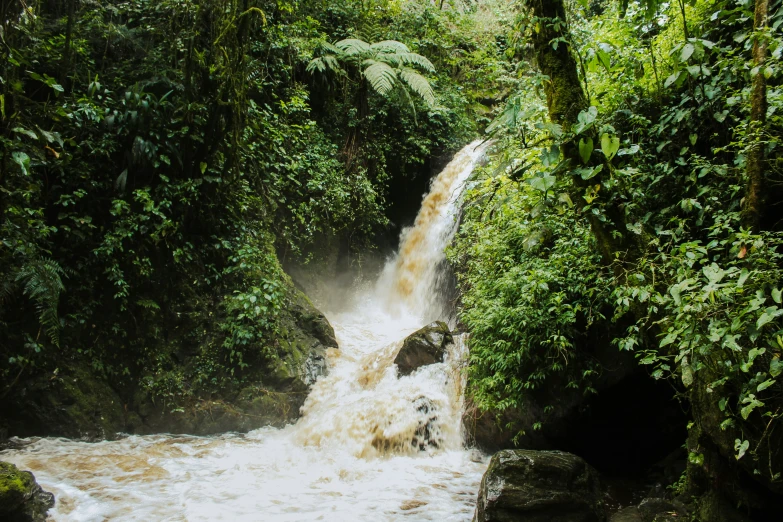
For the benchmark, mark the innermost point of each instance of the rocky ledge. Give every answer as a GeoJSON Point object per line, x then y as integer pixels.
{"type": "Point", "coordinates": [21, 498]}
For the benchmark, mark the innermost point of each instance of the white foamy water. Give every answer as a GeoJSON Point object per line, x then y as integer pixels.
{"type": "Point", "coordinates": [369, 446]}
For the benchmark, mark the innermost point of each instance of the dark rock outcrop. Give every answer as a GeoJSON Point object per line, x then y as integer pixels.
{"type": "Point", "coordinates": [652, 510]}
{"type": "Point", "coordinates": [77, 402]}
{"type": "Point", "coordinates": [21, 498]}
{"type": "Point", "coordinates": [539, 486]}
{"type": "Point", "coordinates": [423, 347]}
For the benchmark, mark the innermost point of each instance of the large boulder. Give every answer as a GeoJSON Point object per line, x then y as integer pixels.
{"type": "Point", "coordinates": [539, 486]}
{"type": "Point", "coordinates": [21, 498]}
{"type": "Point", "coordinates": [273, 395]}
{"type": "Point", "coordinates": [423, 347]}
{"type": "Point", "coordinates": [75, 401]}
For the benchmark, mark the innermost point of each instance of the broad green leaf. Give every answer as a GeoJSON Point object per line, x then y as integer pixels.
{"type": "Point", "coordinates": [776, 295]}
{"type": "Point", "coordinates": [26, 132]}
{"type": "Point", "coordinates": [589, 173]}
{"type": "Point", "coordinates": [610, 145]}
{"type": "Point", "coordinates": [764, 385]}
{"type": "Point", "coordinates": [775, 367]}
{"type": "Point", "coordinates": [21, 159]}
{"type": "Point", "coordinates": [770, 314]}
{"type": "Point", "coordinates": [633, 149]}
{"type": "Point", "coordinates": [585, 149]}
{"type": "Point", "coordinates": [752, 403]}
{"type": "Point", "coordinates": [755, 352]}
{"type": "Point", "coordinates": [550, 156]}
{"type": "Point", "coordinates": [686, 52]}
{"type": "Point", "coordinates": [585, 119]}
{"type": "Point", "coordinates": [542, 184]}
{"type": "Point", "coordinates": [741, 447]}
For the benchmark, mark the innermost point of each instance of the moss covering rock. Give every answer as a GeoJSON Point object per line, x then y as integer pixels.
{"type": "Point", "coordinates": [21, 498]}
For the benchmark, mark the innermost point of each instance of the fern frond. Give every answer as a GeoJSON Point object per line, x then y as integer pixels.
{"type": "Point", "coordinates": [392, 46]}
{"type": "Point", "coordinates": [42, 282]}
{"type": "Point", "coordinates": [418, 84]}
{"type": "Point", "coordinates": [409, 59]}
{"type": "Point", "coordinates": [382, 76]}
{"type": "Point", "coordinates": [325, 63]}
{"type": "Point", "coordinates": [352, 46]}
{"type": "Point", "coordinates": [316, 64]}
{"type": "Point", "coordinates": [330, 48]}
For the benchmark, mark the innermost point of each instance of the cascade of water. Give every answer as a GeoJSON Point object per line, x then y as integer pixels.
{"type": "Point", "coordinates": [356, 453]}
{"type": "Point", "coordinates": [411, 280]}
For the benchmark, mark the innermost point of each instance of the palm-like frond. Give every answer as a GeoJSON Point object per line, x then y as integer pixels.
{"type": "Point", "coordinates": [382, 76]}
{"type": "Point", "coordinates": [324, 63]}
{"type": "Point", "coordinates": [330, 48]}
{"type": "Point", "coordinates": [409, 59]}
{"type": "Point", "coordinates": [392, 46]}
{"type": "Point", "coordinates": [418, 84]}
{"type": "Point", "coordinates": [352, 46]}
{"type": "Point", "coordinates": [43, 284]}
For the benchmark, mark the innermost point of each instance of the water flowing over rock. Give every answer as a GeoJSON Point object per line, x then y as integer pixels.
{"type": "Point", "coordinates": [539, 486]}
{"type": "Point", "coordinates": [368, 445]}
{"type": "Point", "coordinates": [21, 498]}
{"type": "Point", "coordinates": [425, 346]}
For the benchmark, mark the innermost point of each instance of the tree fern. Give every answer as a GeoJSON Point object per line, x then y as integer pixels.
{"type": "Point", "coordinates": [418, 84]}
{"type": "Point", "coordinates": [390, 46]}
{"type": "Point", "coordinates": [385, 65]}
{"type": "Point", "coordinates": [382, 76]}
{"type": "Point", "coordinates": [352, 46]}
{"type": "Point", "coordinates": [410, 59]}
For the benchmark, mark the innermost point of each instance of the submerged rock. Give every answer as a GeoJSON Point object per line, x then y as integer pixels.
{"type": "Point", "coordinates": [423, 347]}
{"type": "Point", "coordinates": [21, 498]}
{"type": "Point", "coordinates": [539, 486]}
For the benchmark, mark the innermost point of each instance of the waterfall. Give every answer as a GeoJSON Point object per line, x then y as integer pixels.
{"type": "Point", "coordinates": [369, 446]}
{"type": "Point", "coordinates": [411, 280]}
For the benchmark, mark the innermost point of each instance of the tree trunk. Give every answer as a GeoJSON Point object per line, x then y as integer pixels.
{"type": "Point", "coordinates": [565, 100]}
{"type": "Point", "coordinates": [754, 196]}
{"type": "Point", "coordinates": [65, 64]}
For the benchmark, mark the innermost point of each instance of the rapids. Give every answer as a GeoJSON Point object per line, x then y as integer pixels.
{"type": "Point", "coordinates": [354, 455]}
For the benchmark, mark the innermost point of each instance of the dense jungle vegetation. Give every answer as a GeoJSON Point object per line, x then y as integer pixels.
{"type": "Point", "coordinates": [162, 161]}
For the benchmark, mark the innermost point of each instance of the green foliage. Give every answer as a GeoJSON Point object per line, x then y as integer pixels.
{"type": "Point", "coordinates": [163, 154]}
{"type": "Point", "coordinates": [385, 65]}
{"type": "Point", "coordinates": [669, 92]}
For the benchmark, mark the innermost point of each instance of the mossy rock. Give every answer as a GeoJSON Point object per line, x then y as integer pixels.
{"type": "Point", "coordinates": [423, 347]}
{"type": "Point", "coordinates": [74, 403]}
{"type": "Point", "coordinates": [21, 498]}
{"type": "Point", "coordinates": [539, 486]}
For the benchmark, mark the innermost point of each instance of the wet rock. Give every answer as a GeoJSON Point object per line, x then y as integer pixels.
{"type": "Point", "coordinates": [629, 514]}
{"type": "Point", "coordinates": [423, 347]}
{"type": "Point", "coordinates": [657, 509]}
{"type": "Point", "coordinates": [652, 510]}
{"type": "Point", "coordinates": [427, 433]}
{"type": "Point", "coordinates": [21, 498]}
{"type": "Point", "coordinates": [539, 486]}
{"type": "Point", "coordinates": [72, 402]}
{"type": "Point", "coordinates": [77, 402]}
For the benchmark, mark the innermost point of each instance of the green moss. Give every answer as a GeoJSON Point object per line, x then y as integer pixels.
{"type": "Point", "coordinates": [15, 487]}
